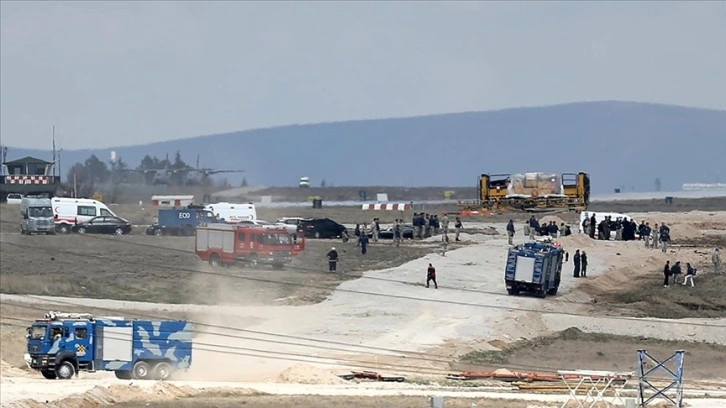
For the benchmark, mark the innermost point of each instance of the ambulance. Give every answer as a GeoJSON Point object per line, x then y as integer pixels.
{"type": "Point", "coordinates": [233, 213]}
{"type": "Point", "coordinates": [68, 212]}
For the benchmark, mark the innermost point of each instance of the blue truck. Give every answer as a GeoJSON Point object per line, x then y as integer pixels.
{"type": "Point", "coordinates": [534, 267]}
{"type": "Point", "coordinates": [62, 344]}
{"type": "Point", "coordinates": [180, 221]}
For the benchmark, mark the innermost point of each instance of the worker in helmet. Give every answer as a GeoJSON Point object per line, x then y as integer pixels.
{"type": "Point", "coordinates": [332, 260]}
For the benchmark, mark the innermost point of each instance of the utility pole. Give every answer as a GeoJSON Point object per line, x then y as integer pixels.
{"type": "Point", "coordinates": [54, 158]}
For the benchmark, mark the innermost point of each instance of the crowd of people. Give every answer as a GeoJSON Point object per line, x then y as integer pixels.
{"type": "Point", "coordinates": [627, 230]}
{"type": "Point", "coordinates": [426, 225]}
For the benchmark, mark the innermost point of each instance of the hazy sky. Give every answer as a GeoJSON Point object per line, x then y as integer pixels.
{"type": "Point", "coordinates": [113, 74]}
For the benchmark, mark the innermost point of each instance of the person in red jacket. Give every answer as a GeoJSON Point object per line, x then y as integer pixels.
{"type": "Point", "coordinates": [431, 276]}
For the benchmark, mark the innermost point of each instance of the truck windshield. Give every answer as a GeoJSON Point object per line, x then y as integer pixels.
{"type": "Point", "coordinates": [38, 332]}
{"type": "Point", "coordinates": [277, 239]}
{"type": "Point", "coordinates": [45, 212]}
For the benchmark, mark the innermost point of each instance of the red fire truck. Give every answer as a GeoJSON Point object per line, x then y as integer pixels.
{"type": "Point", "coordinates": [226, 244]}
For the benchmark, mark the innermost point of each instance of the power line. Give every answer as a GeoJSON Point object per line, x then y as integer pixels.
{"type": "Point", "coordinates": [407, 354]}
{"type": "Point", "coordinates": [360, 292]}
{"type": "Point", "coordinates": [287, 356]}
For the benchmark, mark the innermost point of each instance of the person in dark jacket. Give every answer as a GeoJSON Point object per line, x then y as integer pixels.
{"type": "Point", "coordinates": [676, 272]}
{"type": "Point", "coordinates": [332, 259]}
{"type": "Point", "coordinates": [666, 273]}
{"type": "Point", "coordinates": [363, 243]}
{"type": "Point", "coordinates": [583, 262]}
{"type": "Point", "coordinates": [357, 234]}
{"type": "Point", "coordinates": [690, 274]}
{"type": "Point", "coordinates": [431, 276]}
{"type": "Point", "coordinates": [510, 232]}
{"type": "Point", "coordinates": [593, 226]}
{"type": "Point", "coordinates": [576, 260]}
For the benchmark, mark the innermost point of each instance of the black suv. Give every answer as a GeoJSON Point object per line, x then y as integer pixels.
{"type": "Point", "coordinates": [321, 228]}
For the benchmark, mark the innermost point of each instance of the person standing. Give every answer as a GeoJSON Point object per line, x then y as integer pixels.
{"type": "Point", "coordinates": [332, 260]}
{"type": "Point", "coordinates": [716, 259]}
{"type": "Point", "coordinates": [397, 233]}
{"type": "Point", "coordinates": [583, 262]}
{"type": "Point", "coordinates": [665, 237]}
{"type": "Point", "coordinates": [444, 244]}
{"type": "Point", "coordinates": [654, 236]}
{"type": "Point", "coordinates": [666, 274]}
{"type": "Point", "coordinates": [576, 261]}
{"type": "Point", "coordinates": [431, 276]}
{"type": "Point", "coordinates": [344, 237]}
{"type": "Point", "coordinates": [445, 223]}
{"type": "Point", "coordinates": [676, 272]}
{"type": "Point", "coordinates": [593, 226]}
{"type": "Point", "coordinates": [363, 243]}
{"type": "Point", "coordinates": [690, 274]}
{"type": "Point", "coordinates": [510, 232]}
{"type": "Point", "coordinates": [645, 234]}
{"type": "Point", "coordinates": [457, 228]}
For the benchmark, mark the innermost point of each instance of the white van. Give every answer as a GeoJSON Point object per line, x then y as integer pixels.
{"type": "Point", "coordinates": [233, 213]}
{"type": "Point", "coordinates": [36, 216]}
{"type": "Point", "coordinates": [71, 211]}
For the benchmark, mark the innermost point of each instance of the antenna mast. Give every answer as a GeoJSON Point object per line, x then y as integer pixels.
{"type": "Point", "coordinates": [55, 164]}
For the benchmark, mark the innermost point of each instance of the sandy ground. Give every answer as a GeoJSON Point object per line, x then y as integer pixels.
{"type": "Point", "coordinates": [378, 317]}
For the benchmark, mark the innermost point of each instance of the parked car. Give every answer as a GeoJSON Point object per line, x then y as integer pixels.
{"type": "Point", "coordinates": [14, 198]}
{"type": "Point", "coordinates": [321, 228]}
{"type": "Point", "coordinates": [292, 224]}
{"type": "Point", "coordinates": [103, 225]}
{"type": "Point", "coordinates": [388, 232]}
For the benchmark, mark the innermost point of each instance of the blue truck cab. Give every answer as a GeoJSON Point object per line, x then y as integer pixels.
{"type": "Point", "coordinates": [534, 267]}
{"type": "Point", "coordinates": [181, 221]}
{"type": "Point", "coordinates": [62, 344]}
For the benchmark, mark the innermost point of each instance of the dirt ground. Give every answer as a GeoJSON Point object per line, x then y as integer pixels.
{"type": "Point", "coordinates": [165, 270]}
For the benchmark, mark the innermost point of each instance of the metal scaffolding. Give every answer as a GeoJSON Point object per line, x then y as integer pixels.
{"type": "Point", "coordinates": [649, 367]}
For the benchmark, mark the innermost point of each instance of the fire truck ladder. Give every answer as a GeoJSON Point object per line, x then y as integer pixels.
{"type": "Point", "coordinates": [672, 366]}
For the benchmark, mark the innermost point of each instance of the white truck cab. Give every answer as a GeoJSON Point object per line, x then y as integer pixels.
{"type": "Point", "coordinates": [72, 211]}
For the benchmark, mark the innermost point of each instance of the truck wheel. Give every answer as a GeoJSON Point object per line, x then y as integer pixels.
{"type": "Point", "coordinates": [278, 266]}
{"type": "Point", "coordinates": [64, 229]}
{"type": "Point", "coordinates": [65, 371]}
{"type": "Point", "coordinates": [141, 370]}
{"type": "Point", "coordinates": [162, 371]}
{"type": "Point", "coordinates": [123, 375]}
{"type": "Point", "coordinates": [81, 230]}
{"type": "Point", "coordinates": [552, 291]}
{"type": "Point", "coordinates": [215, 261]}
{"type": "Point", "coordinates": [119, 231]}
{"type": "Point", "coordinates": [49, 374]}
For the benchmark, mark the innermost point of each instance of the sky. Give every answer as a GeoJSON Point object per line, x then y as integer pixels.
{"type": "Point", "coordinates": [109, 74]}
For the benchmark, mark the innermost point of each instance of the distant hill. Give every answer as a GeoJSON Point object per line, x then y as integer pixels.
{"type": "Point", "coordinates": [623, 145]}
